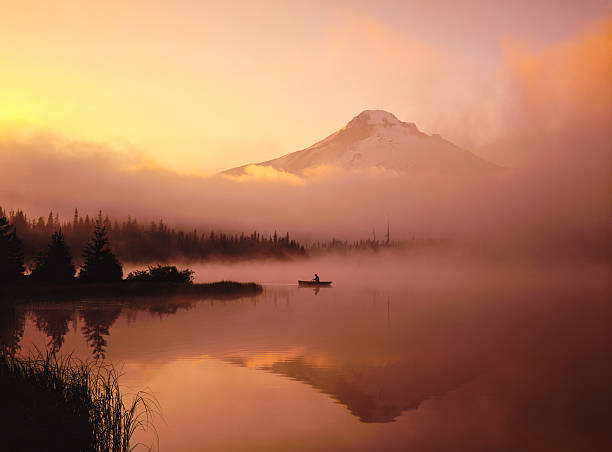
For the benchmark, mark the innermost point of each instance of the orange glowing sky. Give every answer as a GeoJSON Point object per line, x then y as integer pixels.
{"type": "Point", "coordinates": [203, 86]}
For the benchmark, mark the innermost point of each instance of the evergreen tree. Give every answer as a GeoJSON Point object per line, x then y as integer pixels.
{"type": "Point", "coordinates": [50, 222]}
{"type": "Point", "coordinates": [54, 265]}
{"type": "Point", "coordinates": [11, 257]}
{"type": "Point", "coordinates": [100, 265]}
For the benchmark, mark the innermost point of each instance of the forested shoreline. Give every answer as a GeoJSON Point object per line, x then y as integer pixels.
{"type": "Point", "coordinates": [157, 242]}
{"type": "Point", "coordinates": [133, 241]}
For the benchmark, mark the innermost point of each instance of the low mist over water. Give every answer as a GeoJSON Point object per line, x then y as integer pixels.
{"type": "Point", "coordinates": [400, 354]}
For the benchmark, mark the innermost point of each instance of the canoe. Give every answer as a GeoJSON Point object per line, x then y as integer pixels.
{"type": "Point", "coordinates": [313, 283]}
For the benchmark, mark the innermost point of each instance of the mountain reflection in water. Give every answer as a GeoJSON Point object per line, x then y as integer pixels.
{"type": "Point", "coordinates": [488, 365]}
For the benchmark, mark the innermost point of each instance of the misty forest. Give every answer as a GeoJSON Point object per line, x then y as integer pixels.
{"type": "Point", "coordinates": [157, 242]}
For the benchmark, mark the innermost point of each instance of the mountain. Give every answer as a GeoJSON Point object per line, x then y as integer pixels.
{"type": "Point", "coordinates": [377, 139]}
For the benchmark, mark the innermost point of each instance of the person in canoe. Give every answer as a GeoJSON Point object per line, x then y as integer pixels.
{"type": "Point", "coordinates": [316, 278]}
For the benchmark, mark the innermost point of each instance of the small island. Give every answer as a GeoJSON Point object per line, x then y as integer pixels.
{"type": "Point", "coordinates": [53, 276]}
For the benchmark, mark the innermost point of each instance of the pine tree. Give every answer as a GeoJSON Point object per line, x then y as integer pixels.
{"type": "Point", "coordinates": [75, 221]}
{"type": "Point", "coordinates": [54, 265]}
{"type": "Point", "coordinates": [50, 222]}
{"type": "Point", "coordinates": [11, 257]}
{"type": "Point", "coordinates": [100, 265]}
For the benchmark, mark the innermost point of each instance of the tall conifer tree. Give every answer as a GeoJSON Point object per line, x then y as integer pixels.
{"type": "Point", "coordinates": [54, 265]}
{"type": "Point", "coordinates": [11, 256]}
{"type": "Point", "coordinates": [100, 265]}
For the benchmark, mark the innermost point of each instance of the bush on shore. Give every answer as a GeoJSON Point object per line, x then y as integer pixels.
{"type": "Point", "coordinates": [162, 273]}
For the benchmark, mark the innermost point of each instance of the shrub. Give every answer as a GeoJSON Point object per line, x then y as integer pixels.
{"type": "Point", "coordinates": [162, 273]}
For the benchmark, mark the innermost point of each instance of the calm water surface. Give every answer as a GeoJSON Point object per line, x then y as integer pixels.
{"type": "Point", "coordinates": [414, 363]}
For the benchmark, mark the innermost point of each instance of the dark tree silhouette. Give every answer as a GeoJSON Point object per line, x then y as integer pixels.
{"type": "Point", "coordinates": [153, 242]}
{"type": "Point", "coordinates": [11, 257]}
{"type": "Point", "coordinates": [100, 264]}
{"type": "Point", "coordinates": [54, 265]}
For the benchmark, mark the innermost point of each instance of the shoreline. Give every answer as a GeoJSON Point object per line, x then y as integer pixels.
{"type": "Point", "coordinates": [126, 290]}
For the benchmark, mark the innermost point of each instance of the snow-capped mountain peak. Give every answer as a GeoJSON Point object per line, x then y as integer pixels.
{"type": "Point", "coordinates": [375, 117]}
{"type": "Point", "coordinates": [378, 139]}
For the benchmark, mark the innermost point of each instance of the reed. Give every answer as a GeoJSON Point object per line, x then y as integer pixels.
{"type": "Point", "coordinates": [61, 403]}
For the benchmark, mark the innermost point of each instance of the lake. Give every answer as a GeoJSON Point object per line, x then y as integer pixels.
{"type": "Point", "coordinates": [397, 355]}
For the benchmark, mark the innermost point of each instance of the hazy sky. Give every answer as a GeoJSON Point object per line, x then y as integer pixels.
{"type": "Point", "coordinates": [203, 86]}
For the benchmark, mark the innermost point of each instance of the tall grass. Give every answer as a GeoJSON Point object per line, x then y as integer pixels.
{"type": "Point", "coordinates": [52, 403]}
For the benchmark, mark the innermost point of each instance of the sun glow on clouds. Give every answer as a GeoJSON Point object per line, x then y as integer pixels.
{"type": "Point", "coordinates": [256, 173]}
{"type": "Point", "coordinates": [568, 81]}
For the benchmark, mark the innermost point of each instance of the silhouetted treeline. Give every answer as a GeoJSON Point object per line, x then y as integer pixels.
{"type": "Point", "coordinates": [11, 253]}
{"type": "Point", "coordinates": [372, 244]}
{"type": "Point", "coordinates": [157, 242]}
{"type": "Point", "coordinates": [153, 242]}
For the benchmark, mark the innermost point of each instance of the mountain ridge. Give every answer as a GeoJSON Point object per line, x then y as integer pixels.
{"type": "Point", "coordinates": [378, 139]}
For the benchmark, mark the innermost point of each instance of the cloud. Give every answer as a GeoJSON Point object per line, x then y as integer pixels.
{"type": "Point", "coordinates": [255, 173]}
{"type": "Point", "coordinates": [374, 46]}
{"type": "Point", "coordinates": [565, 83]}
{"type": "Point", "coordinates": [559, 101]}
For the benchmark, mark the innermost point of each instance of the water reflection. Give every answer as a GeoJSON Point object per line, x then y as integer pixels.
{"type": "Point", "coordinates": [496, 360]}
{"type": "Point", "coordinates": [54, 322]}
{"type": "Point", "coordinates": [315, 289]}
{"type": "Point", "coordinates": [12, 324]}
{"type": "Point", "coordinates": [347, 350]}
{"type": "Point", "coordinates": [55, 319]}
{"type": "Point", "coordinates": [98, 321]}
{"type": "Point", "coordinates": [372, 394]}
